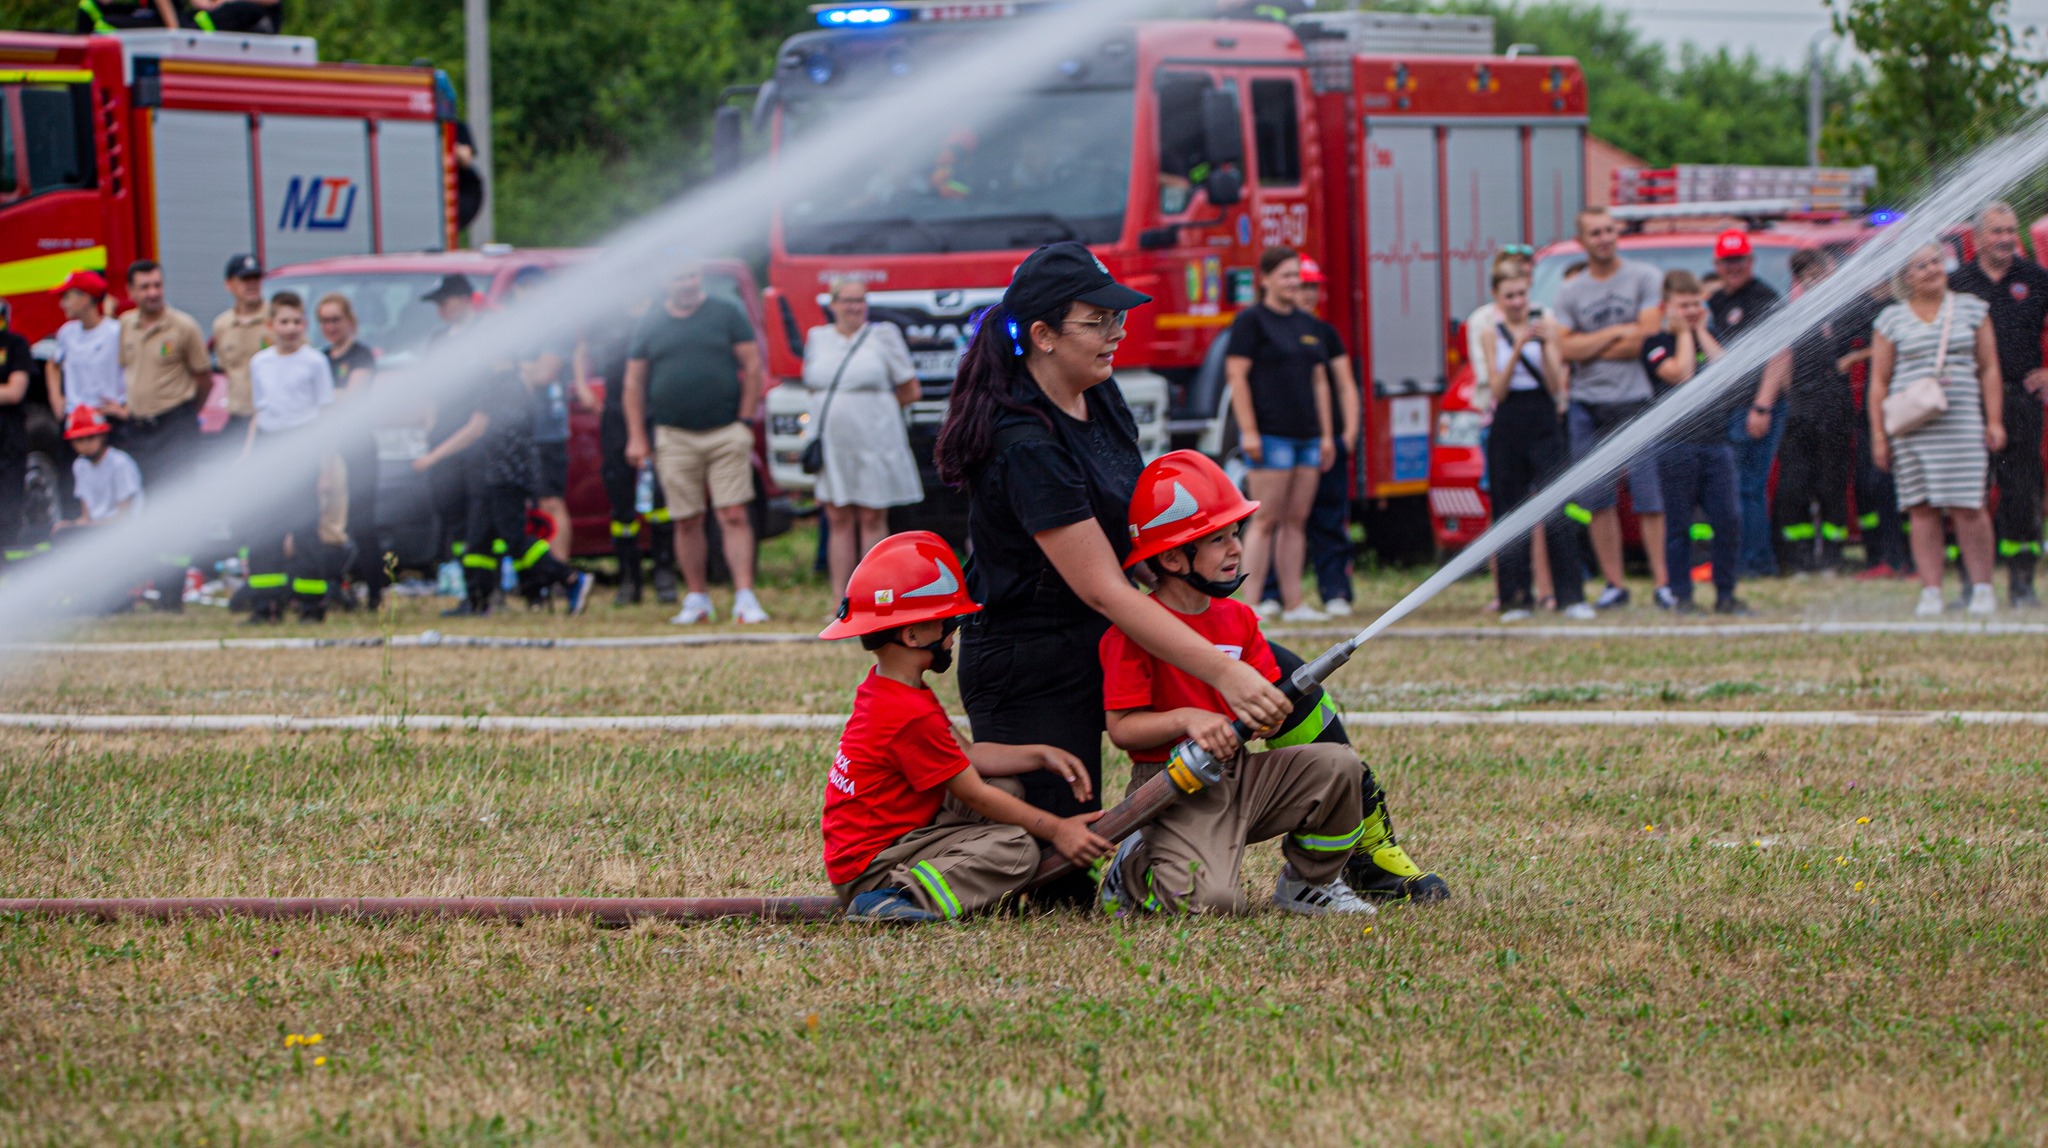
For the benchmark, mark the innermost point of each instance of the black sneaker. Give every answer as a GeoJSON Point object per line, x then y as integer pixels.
{"type": "Point", "coordinates": [1374, 883]}
{"type": "Point", "coordinates": [665, 586]}
{"type": "Point", "coordinates": [1611, 598]}
{"type": "Point", "coordinates": [2024, 598]}
{"type": "Point", "coordinates": [1733, 608]}
{"type": "Point", "coordinates": [1687, 608]}
{"type": "Point", "coordinates": [465, 609]}
{"type": "Point", "coordinates": [1664, 598]}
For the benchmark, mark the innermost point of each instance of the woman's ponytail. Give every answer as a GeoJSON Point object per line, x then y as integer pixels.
{"type": "Point", "coordinates": [991, 379]}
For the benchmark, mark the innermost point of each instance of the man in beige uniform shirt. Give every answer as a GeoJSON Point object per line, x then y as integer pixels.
{"type": "Point", "coordinates": [163, 356]}
{"type": "Point", "coordinates": [238, 333]}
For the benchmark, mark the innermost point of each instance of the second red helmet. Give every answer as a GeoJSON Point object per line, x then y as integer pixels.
{"type": "Point", "coordinates": [1182, 497]}
{"type": "Point", "coordinates": [906, 579]}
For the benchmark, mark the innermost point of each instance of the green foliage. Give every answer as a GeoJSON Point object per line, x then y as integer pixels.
{"type": "Point", "coordinates": [1704, 107]}
{"type": "Point", "coordinates": [1947, 75]}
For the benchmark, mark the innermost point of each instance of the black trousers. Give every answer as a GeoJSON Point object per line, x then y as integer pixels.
{"type": "Point", "coordinates": [497, 529]}
{"type": "Point", "coordinates": [366, 559]}
{"type": "Point", "coordinates": [621, 489]}
{"type": "Point", "coordinates": [1526, 449]}
{"type": "Point", "coordinates": [1814, 461]}
{"type": "Point", "coordinates": [166, 445]}
{"type": "Point", "coordinates": [1877, 509]}
{"type": "Point", "coordinates": [275, 577]}
{"type": "Point", "coordinates": [2017, 470]}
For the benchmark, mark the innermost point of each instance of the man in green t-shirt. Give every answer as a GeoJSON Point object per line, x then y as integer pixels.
{"type": "Point", "coordinates": [694, 369]}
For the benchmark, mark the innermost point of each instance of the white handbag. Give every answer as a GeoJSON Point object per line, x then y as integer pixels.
{"type": "Point", "coordinates": [1908, 408]}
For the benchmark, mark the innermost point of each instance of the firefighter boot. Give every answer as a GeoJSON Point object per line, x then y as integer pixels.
{"type": "Point", "coordinates": [479, 582]}
{"type": "Point", "coordinates": [2020, 567]}
{"type": "Point", "coordinates": [1379, 868]}
{"type": "Point", "coordinates": [665, 589]}
{"type": "Point", "coordinates": [628, 550]}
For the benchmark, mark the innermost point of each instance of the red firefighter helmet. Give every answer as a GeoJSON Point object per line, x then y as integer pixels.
{"type": "Point", "coordinates": [1182, 497]}
{"type": "Point", "coordinates": [906, 579]}
{"type": "Point", "coordinates": [85, 422]}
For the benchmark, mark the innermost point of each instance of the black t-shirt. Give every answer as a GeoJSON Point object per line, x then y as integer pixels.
{"type": "Point", "coordinates": [1734, 312]}
{"type": "Point", "coordinates": [2019, 308]}
{"type": "Point", "coordinates": [1853, 330]}
{"type": "Point", "coordinates": [605, 348]}
{"type": "Point", "coordinates": [1040, 480]}
{"type": "Point", "coordinates": [505, 456]}
{"type": "Point", "coordinates": [356, 358]}
{"type": "Point", "coordinates": [15, 356]}
{"type": "Point", "coordinates": [1706, 427]}
{"type": "Point", "coordinates": [1819, 391]}
{"type": "Point", "coordinates": [1285, 351]}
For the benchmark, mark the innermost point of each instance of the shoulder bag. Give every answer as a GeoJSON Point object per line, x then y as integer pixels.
{"type": "Point", "coordinates": [814, 450]}
{"type": "Point", "coordinates": [1921, 401]}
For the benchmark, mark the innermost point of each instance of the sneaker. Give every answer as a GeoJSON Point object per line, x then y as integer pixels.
{"type": "Point", "coordinates": [890, 905]}
{"type": "Point", "coordinates": [1983, 600]}
{"type": "Point", "coordinates": [1581, 612]}
{"type": "Point", "coordinates": [1687, 608]}
{"type": "Point", "coordinates": [2024, 598]}
{"type": "Point", "coordinates": [1298, 896]}
{"type": "Point", "coordinates": [1877, 573]}
{"type": "Point", "coordinates": [1733, 608]}
{"type": "Point", "coordinates": [1269, 608]}
{"type": "Point", "coordinates": [1664, 599]}
{"type": "Point", "coordinates": [465, 609]}
{"type": "Point", "coordinates": [696, 608]}
{"type": "Point", "coordinates": [746, 610]}
{"type": "Point", "coordinates": [1338, 608]}
{"type": "Point", "coordinates": [664, 585]}
{"type": "Point", "coordinates": [1611, 598]}
{"type": "Point", "coordinates": [1518, 614]}
{"type": "Point", "coordinates": [1930, 603]}
{"type": "Point", "coordinates": [1304, 613]}
{"type": "Point", "coordinates": [1378, 884]}
{"type": "Point", "coordinates": [1110, 896]}
{"type": "Point", "coordinates": [579, 586]}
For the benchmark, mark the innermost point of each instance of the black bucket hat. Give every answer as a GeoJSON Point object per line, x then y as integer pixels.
{"type": "Point", "coordinates": [1063, 273]}
{"type": "Point", "coordinates": [455, 286]}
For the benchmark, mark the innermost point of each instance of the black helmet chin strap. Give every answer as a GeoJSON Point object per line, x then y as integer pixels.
{"type": "Point", "coordinates": [1212, 589]}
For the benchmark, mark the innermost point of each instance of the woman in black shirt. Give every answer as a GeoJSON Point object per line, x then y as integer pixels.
{"type": "Point", "coordinates": [1280, 395]}
{"type": "Point", "coordinates": [1050, 459]}
{"type": "Point", "coordinates": [354, 366]}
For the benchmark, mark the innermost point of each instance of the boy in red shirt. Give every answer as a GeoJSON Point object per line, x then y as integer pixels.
{"type": "Point", "coordinates": [912, 831]}
{"type": "Point", "coordinates": [1185, 516]}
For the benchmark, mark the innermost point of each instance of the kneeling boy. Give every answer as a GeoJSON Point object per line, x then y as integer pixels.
{"type": "Point", "coordinates": [912, 831]}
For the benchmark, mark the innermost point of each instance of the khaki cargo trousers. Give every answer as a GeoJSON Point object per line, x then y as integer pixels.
{"type": "Point", "coordinates": [958, 864]}
{"type": "Point", "coordinates": [1193, 856]}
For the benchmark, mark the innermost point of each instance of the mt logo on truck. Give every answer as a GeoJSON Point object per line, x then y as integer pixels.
{"type": "Point", "coordinates": [317, 203]}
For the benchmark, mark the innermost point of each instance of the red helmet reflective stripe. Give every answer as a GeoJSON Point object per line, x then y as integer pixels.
{"type": "Point", "coordinates": [85, 422]}
{"type": "Point", "coordinates": [1182, 497]}
{"type": "Point", "coordinates": [906, 579]}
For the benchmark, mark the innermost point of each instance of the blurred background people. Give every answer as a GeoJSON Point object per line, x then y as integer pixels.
{"type": "Point", "coordinates": [860, 377]}
{"type": "Point", "coordinates": [1529, 385]}
{"type": "Point", "coordinates": [1329, 517]}
{"type": "Point", "coordinates": [1810, 508]}
{"type": "Point", "coordinates": [355, 369]}
{"type": "Point", "coordinates": [1697, 463]}
{"type": "Point", "coordinates": [1739, 304]}
{"type": "Point", "coordinates": [238, 333]}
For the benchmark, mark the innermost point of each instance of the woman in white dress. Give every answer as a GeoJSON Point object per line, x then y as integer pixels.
{"type": "Point", "coordinates": [868, 465]}
{"type": "Point", "coordinates": [1940, 468]}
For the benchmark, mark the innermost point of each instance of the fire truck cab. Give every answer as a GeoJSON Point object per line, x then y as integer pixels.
{"type": "Point", "coordinates": [1397, 150]}
{"type": "Point", "coordinates": [189, 147]}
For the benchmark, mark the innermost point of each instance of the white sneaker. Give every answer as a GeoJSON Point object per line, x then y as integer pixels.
{"type": "Point", "coordinates": [1304, 613]}
{"type": "Point", "coordinates": [1337, 608]}
{"type": "Point", "coordinates": [1269, 608]}
{"type": "Point", "coordinates": [1930, 603]}
{"type": "Point", "coordinates": [746, 610]}
{"type": "Point", "coordinates": [1298, 896]}
{"type": "Point", "coordinates": [1581, 612]}
{"type": "Point", "coordinates": [696, 608]}
{"type": "Point", "coordinates": [1983, 601]}
{"type": "Point", "coordinates": [1507, 616]}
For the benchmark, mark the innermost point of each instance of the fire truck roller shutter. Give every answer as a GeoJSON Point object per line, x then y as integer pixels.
{"type": "Point", "coordinates": [1557, 181]}
{"type": "Point", "coordinates": [316, 188]}
{"type": "Point", "coordinates": [205, 203]}
{"type": "Point", "coordinates": [1482, 207]}
{"type": "Point", "coordinates": [409, 191]}
{"type": "Point", "coordinates": [1407, 301]}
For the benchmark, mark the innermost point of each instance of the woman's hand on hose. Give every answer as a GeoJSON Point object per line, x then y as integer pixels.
{"type": "Point", "coordinates": [1258, 701]}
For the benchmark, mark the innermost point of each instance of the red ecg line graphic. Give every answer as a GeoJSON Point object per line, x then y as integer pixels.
{"type": "Point", "coordinates": [1405, 258]}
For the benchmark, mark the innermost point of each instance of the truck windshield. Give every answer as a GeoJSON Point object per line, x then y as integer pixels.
{"type": "Point", "coordinates": [1057, 166]}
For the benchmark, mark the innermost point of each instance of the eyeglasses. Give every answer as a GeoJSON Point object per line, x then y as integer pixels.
{"type": "Point", "coordinates": [1105, 325]}
{"type": "Point", "coordinates": [1517, 249]}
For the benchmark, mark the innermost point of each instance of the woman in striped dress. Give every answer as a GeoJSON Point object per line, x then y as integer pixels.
{"type": "Point", "coordinates": [1941, 467]}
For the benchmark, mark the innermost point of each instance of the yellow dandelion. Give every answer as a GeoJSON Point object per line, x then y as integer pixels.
{"type": "Point", "coordinates": [1859, 886]}
{"type": "Point", "coordinates": [811, 1022]}
{"type": "Point", "coordinates": [1649, 828]}
{"type": "Point", "coordinates": [316, 1038]}
{"type": "Point", "coordinates": [318, 1061]}
{"type": "Point", "coordinates": [290, 1039]}
{"type": "Point", "coordinates": [1368, 931]}
{"type": "Point", "coordinates": [587, 1008]}
{"type": "Point", "coordinates": [1863, 821]}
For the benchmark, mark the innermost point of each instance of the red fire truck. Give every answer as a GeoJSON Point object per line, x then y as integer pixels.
{"type": "Point", "coordinates": [1398, 150]}
{"type": "Point", "coordinates": [188, 148]}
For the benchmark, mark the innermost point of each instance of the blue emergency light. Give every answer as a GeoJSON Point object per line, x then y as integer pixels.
{"type": "Point", "coordinates": [1881, 218]}
{"type": "Point", "coordinates": [859, 17]}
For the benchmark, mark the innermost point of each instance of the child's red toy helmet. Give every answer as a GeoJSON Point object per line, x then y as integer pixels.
{"type": "Point", "coordinates": [906, 579]}
{"type": "Point", "coordinates": [1182, 497]}
{"type": "Point", "coordinates": [85, 422]}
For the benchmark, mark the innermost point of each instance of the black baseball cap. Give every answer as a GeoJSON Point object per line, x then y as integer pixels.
{"type": "Point", "coordinates": [243, 267]}
{"type": "Point", "coordinates": [455, 286]}
{"type": "Point", "coordinates": [1063, 273]}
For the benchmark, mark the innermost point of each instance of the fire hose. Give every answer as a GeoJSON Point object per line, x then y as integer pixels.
{"type": "Point", "coordinates": [1190, 769]}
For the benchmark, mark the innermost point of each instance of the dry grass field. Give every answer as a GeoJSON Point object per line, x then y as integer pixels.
{"type": "Point", "coordinates": [1754, 935]}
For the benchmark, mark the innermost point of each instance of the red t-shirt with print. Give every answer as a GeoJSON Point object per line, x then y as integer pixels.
{"type": "Point", "coordinates": [1135, 680]}
{"type": "Point", "coordinates": [894, 760]}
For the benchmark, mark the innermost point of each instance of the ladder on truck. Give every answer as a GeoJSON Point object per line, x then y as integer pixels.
{"type": "Point", "coordinates": [1741, 190]}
